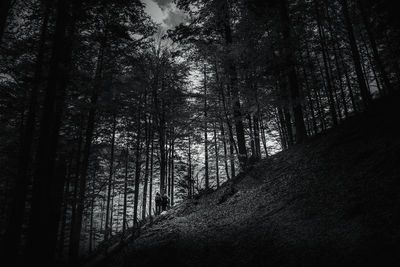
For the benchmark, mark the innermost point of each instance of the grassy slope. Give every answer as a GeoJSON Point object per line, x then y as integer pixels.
{"type": "Point", "coordinates": [333, 201]}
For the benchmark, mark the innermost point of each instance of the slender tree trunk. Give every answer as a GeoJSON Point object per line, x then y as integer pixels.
{"type": "Point", "coordinates": [216, 156]}
{"type": "Point", "coordinates": [263, 138]}
{"type": "Point", "coordinates": [5, 6]}
{"type": "Point", "coordinates": [290, 60]}
{"type": "Point", "coordinates": [125, 205]}
{"type": "Point", "coordinates": [225, 149]}
{"type": "Point", "coordinates": [77, 224]}
{"type": "Point", "coordinates": [206, 174]}
{"type": "Point", "coordinates": [284, 136]}
{"type": "Point", "coordinates": [61, 240]}
{"type": "Point", "coordinates": [110, 177]}
{"type": "Point", "coordinates": [111, 223]}
{"type": "Point", "coordinates": [172, 173]}
{"type": "Point", "coordinates": [233, 84]}
{"type": "Point", "coordinates": [374, 47]}
{"type": "Point", "coordinates": [45, 178]}
{"type": "Point", "coordinates": [146, 170]}
{"type": "Point", "coordinates": [348, 82]}
{"type": "Point", "coordinates": [74, 200]}
{"type": "Point", "coordinates": [190, 192]}
{"type": "Point", "coordinates": [251, 133]}
{"type": "Point", "coordinates": [92, 213]}
{"type": "Point", "coordinates": [325, 58]}
{"type": "Point", "coordinates": [320, 112]}
{"type": "Point", "coordinates": [365, 94]}
{"type": "Point", "coordinates": [373, 67]}
{"type": "Point", "coordinates": [309, 97]}
{"type": "Point", "coordinates": [168, 163]}
{"type": "Point", "coordinates": [16, 210]}
{"type": "Point", "coordinates": [151, 174]}
{"type": "Point", "coordinates": [161, 141]}
{"type": "Point", "coordinates": [137, 171]}
{"type": "Point", "coordinates": [232, 158]}
{"type": "Point", "coordinates": [256, 125]}
{"type": "Point", "coordinates": [342, 93]}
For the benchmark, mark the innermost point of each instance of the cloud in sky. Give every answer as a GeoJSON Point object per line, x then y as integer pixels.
{"type": "Point", "coordinates": [163, 4]}
{"type": "Point", "coordinates": [154, 10]}
{"type": "Point", "coordinates": [164, 12]}
{"type": "Point", "coordinates": [174, 18]}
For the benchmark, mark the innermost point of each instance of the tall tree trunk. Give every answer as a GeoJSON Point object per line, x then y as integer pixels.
{"type": "Point", "coordinates": [372, 65]}
{"type": "Point", "coordinates": [325, 58]}
{"type": "Point", "coordinates": [216, 155]}
{"type": "Point", "coordinates": [290, 60]}
{"type": "Point", "coordinates": [151, 175]}
{"type": "Point", "coordinates": [92, 213]}
{"type": "Point", "coordinates": [45, 178]}
{"type": "Point", "coordinates": [110, 177]}
{"type": "Point", "coordinates": [233, 84]}
{"type": "Point", "coordinates": [74, 199]}
{"type": "Point", "coordinates": [251, 135]}
{"type": "Point", "coordinates": [137, 171]}
{"type": "Point", "coordinates": [172, 172]}
{"type": "Point", "coordinates": [225, 149]}
{"type": "Point", "coordinates": [310, 101]}
{"type": "Point", "coordinates": [256, 125]}
{"type": "Point", "coordinates": [16, 210]}
{"type": "Point", "coordinates": [263, 139]}
{"type": "Point", "coordinates": [77, 223]}
{"type": "Point", "coordinates": [320, 112]}
{"type": "Point", "coordinates": [206, 173]}
{"type": "Point", "coordinates": [161, 141]}
{"type": "Point", "coordinates": [5, 6]}
{"type": "Point", "coordinates": [281, 122]}
{"type": "Point", "coordinates": [374, 47]}
{"type": "Point", "coordinates": [232, 157]}
{"type": "Point", "coordinates": [348, 82]}
{"type": "Point", "coordinates": [190, 192]}
{"type": "Point", "coordinates": [146, 170]}
{"type": "Point", "coordinates": [339, 72]}
{"type": "Point", "coordinates": [63, 225]}
{"type": "Point", "coordinates": [125, 205]}
{"type": "Point", "coordinates": [365, 94]}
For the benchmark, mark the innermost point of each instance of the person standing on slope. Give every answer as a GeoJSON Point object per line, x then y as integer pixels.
{"type": "Point", "coordinates": [164, 202]}
{"type": "Point", "coordinates": [158, 203]}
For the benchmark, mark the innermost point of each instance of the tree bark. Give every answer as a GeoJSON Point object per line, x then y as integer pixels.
{"type": "Point", "coordinates": [151, 175]}
{"type": "Point", "coordinates": [233, 84]}
{"type": "Point", "coordinates": [325, 58]}
{"type": "Point", "coordinates": [45, 178]}
{"type": "Point", "coordinates": [5, 6]}
{"type": "Point", "coordinates": [225, 149]}
{"type": "Point", "coordinates": [375, 52]}
{"type": "Point", "coordinates": [172, 173]}
{"type": "Point", "coordinates": [137, 171]}
{"type": "Point", "coordinates": [146, 170]}
{"type": "Point", "coordinates": [110, 178]}
{"type": "Point", "coordinates": [290, 60]}
{"type": "Point", "coordinates": [216, 155]}
{"type": "Point", "coordinates": [125, 204]}
{"type": "Point", "coordinates": [16, 210]}
{"type": "Point", "coordinates": [365, 94]}
{"type": "Point", "coordinates": [77, 224]}
{"type": "Point", "coordinates": [206, 173]}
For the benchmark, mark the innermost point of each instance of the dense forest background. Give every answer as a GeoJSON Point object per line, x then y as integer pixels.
{"type": "Point", "coordinates": [100, 107]}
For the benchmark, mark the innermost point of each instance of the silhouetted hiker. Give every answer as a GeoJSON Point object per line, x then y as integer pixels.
{"type": "Point", "coordinates": [164, 202]}
{"type": "Point", "coordinates": [158, 203]}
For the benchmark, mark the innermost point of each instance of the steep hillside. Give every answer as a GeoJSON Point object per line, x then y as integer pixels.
{"type": "Point", "coordinates": [333, 201]}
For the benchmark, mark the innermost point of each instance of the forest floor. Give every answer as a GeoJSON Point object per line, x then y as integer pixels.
{"type": "Point", "coordinates": [333, 201]}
